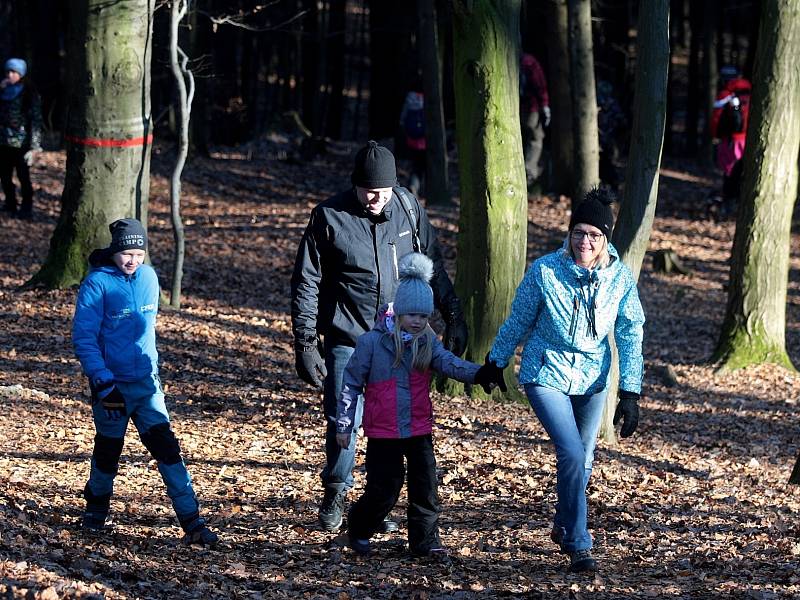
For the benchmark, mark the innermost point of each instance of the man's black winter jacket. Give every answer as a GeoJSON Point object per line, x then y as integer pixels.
{"type": "Point", "coordinates": [346, 268]}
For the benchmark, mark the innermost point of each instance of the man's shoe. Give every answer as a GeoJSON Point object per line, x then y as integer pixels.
{"type": "Point", "coordinates": [332, 509]}
{"type": "Point", "coordinates": [94, 521]}
{"type": "Point", "coordinates": [388, 526]}
{"type": "Point", "coordinates": [581, 561]}
{"type": "Point", "coordinates": [201, 535]}
{"type": "Point", "coordinates": [437, 554]}
{"type": "Point", "coordinates": [360, 547]}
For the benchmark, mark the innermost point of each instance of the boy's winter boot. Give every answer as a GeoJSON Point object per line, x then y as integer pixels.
{"type": "Point", "coordinates": [96, 513]}
{"type": "Point", "coordinates": [197, 532]}
{"type": "Point", "coordinates": [332, 509]}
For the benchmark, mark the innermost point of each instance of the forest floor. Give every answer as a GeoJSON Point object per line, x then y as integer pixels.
{"type": "Point", "coordinates": [695, 505]}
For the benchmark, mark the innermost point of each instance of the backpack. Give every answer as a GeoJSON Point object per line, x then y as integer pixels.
{"type": "Point", "coordinates": [414, 123]}
{"type": "Point", "coordinates": [731, 120]}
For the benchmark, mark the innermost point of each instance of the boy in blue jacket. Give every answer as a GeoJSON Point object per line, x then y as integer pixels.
{"type": "Point", "coordinates": [114, 336]}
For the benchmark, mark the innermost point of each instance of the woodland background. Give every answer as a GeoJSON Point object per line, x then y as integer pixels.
{"type": "Point", "coordinates": [695, 505]}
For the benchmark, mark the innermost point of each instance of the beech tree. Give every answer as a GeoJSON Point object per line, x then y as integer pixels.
{"type": "Point", "coordinates": [753, 331]}
{"type": "Point", "coordinates": [108, 132]}
{"type": "Point", "coordinates": [493, 220]}
{"type": "Point", "coordinates": [586, 144]}
{"type": "Point", "coordinates": [631, 235]}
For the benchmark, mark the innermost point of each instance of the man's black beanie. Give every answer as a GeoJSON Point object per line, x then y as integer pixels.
{"type": "Point", "coordinates": [127, 234]}
{"type": "Point", "coordinates": [595, 209]}
{"type": "Point", "coordinates": [374, 167]}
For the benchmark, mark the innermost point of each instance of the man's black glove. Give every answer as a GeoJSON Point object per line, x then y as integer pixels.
{"type": "Point", "coordinates": [490, 376]}
{"type": "Point", "coordinates": [111, 398]}
{"type": "Point", "coordinates": [309, 365]}
{"type": "Point", "coordinates": [628, 412]}
{"type": "Point", "coordinates": [455, 333]}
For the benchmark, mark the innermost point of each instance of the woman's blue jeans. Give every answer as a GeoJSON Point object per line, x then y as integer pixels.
{"type": "Point", "coordinates": [572, 422]}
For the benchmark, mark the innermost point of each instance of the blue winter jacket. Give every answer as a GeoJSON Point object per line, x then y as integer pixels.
{"type": "Point", "coordinates": [114, 327]}
{"type": "Point", "coordinates": [551, 315]}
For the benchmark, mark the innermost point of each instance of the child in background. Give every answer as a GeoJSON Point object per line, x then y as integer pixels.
{"type": "Point", "coordinates": [114, 336]}
{"type": "Point", "coordinates": [392, 367]}
{"type": "Point", "coordinates": [20, 135]}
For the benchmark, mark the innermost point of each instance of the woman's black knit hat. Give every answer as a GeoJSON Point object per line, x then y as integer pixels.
{"type": "Point", "coordinates": [374, 167]}
{"type": "Point", "coordinates": [595, 209]}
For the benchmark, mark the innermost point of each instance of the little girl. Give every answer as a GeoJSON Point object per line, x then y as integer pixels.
{"type": "Point", "coordinates": [391, 367]}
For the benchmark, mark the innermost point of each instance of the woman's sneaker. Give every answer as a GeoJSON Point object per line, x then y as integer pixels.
{"type": "Point", "coordinates": [581, 561]}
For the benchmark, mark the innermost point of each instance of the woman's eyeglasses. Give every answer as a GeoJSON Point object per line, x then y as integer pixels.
{"type": "Point", "coordinates": [578, 235]}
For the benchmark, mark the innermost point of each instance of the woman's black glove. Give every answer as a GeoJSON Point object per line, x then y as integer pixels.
{"type": "Point", "coordinates": [490, 376]}
{"type": "Point", "coordinates": [628, 412]}
{"type": "Point", "coordinates": [309, 365]}
{"type": "Point", "coordinates": [111, 398]}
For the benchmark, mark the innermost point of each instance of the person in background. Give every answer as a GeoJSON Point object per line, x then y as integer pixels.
{"type": "Point", "coordinates": [534, 113]}
{"type": "Point", "coordinates": [392, 367]}
{"type": "Point", "coordinates": [564, 310]}
{"type": "Point", "coordinates": [20, 135]}
{"type": "Point", "coordinates": [114, 337]}
{"type": "Point", "coordinates": [728, 126]}
{"type": "Point", "coordinates": [610, 119]}
{"type": "Point", "coordinates": [412, 125]}
{"type": "Point", "coordinates": [346, 269]}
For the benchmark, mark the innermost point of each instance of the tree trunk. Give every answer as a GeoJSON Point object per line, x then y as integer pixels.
{"type": "Point", "coordinates": [337, 26]}
{"type": "Point", "coordinates": [586, 150]}
{"type": "Point", "coordinates": [753, 331]}
{"type": "Point", "coordinates": [436, 175]}
{"type": "Point", "coordinates": [635, 219]}
{"type": "Point", "coordinates": [184, 81]}
{"type": "Point", "coordinates": [561, 138]}
{"type": "Point", "coordinates": [108, 132]}
{"type": "Point", "coordinates": [710, 70]}
{"type": "Point", "coordinates": [693, 96]}
{"type": "Point", "coordinates": [493, 221]}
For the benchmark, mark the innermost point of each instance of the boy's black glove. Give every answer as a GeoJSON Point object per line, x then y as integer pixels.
{"type": "Point", "coordinates": [309, 365]}
{"type": "Point", "coordinates": [111, 398]}
{"type": "Point", "coordinates": [490, 376]}
{"type": "Point", "coordinates": [628, 412]}
{"type": "Point", "coordinates": [456, 334]}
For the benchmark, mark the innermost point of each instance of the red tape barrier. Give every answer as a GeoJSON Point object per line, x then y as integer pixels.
{"type": "Point", "coordinates": [110, 143]}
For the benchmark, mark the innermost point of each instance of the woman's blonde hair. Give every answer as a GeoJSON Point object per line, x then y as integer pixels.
{"type": "Point", "coordinates": [603, 259]}
{"type": "Point", "coordinates": [421, 347]}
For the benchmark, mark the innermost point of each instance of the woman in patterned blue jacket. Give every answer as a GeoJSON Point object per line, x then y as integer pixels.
{"type": "Point", "coordinates": [564, 310]}
{"type": "Point", "coordinates": [114, 336]}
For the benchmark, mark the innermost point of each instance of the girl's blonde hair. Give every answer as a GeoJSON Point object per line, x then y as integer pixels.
{"type": "Point", "coordinates": [421, 347]}
{"type": "Point", "coordinates": [603, 259]}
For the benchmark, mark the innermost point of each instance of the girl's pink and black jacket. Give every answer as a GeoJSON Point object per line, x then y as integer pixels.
{"type": "Point", "coordinates": [397, 401]}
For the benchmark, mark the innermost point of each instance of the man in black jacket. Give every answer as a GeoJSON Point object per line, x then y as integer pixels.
{"type": "Point", "coordinates": [346, 268]}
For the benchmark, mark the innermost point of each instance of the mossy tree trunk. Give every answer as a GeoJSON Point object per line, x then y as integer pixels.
{"type": "Point", "coordinates": [108, 132]}
{"type": "Point", "coordinates": [753, 331]}
{"type": "Point", "coordinates": [493, 220]}
{"type": "Point", "coordinates": [586, 143]}
{"type": "Point", "coordinates": [631, 235]}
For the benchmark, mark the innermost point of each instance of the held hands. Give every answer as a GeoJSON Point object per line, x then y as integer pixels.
{"type": "Point", "coordinates": [29, 156]}
{"type": "Point", "coordinates": [310, 366]}
{"type": "Point", "coordinates": [628, 412]}
{"type": "Point", "coordinates": [545, 116]}
{"type": "Point", "coordinates": [343, 439]}
{"type": "Point", "coordinates": [490, 376]}
{"type": "Point", "coordinates": [111, 398]}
